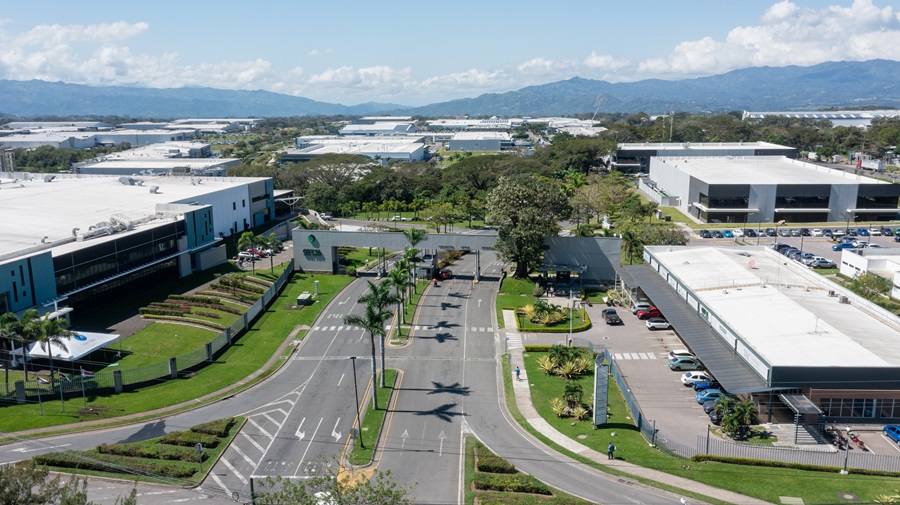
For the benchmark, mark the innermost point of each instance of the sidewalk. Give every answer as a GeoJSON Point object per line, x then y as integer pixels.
{"type": "Point", "coordinates": [523, 402]}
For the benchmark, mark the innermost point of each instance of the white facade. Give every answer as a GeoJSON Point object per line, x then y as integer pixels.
{"type": "Point", "coordinates": [378, 129]}
{"type": "Point", "coordinates": [882, 262]}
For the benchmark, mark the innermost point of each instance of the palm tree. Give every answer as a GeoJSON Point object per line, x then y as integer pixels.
{"type": "Point", "coordinates": [372, 321]}
{"type": "Point", "coordinates": [745, 414]}
{"type": "Point", "coordinates": [9, 330]}
{"type": "Point", "coordinates": [26, 332]}
{"type": "Point", "coordinates": [399, 279]}
{"type": "Point", "coordinates": [248, 239]}
{"type": "Point", "coordinates": [380, 297]}
{"type": "Point", "coordinates": [414, 236]}
{"type": "Point", "coordinates": [53, 332]}
{"type": "Point", "coordinates": [630, 242]}
{"type": "Point", "coordinates": [572, 393]}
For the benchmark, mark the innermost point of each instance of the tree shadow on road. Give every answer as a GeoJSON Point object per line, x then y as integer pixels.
{"type": "Point", "coordinates": [443, 412]}
{"type": "Point", "coordinates": [455, 389]}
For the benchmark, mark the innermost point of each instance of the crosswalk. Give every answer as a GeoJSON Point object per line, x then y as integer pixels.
{"type": "Point", "coordinates": [633, 355]}
{"type": "Point", "coordinates": [472, 329]}
{"type": "Point", "coordinates": [514, 341]}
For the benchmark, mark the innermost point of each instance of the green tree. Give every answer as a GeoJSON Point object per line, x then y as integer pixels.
{"type": "Point", "coordinates": [378, 298]}
{"type": "Point", "coordinates": [399, 278]}
{"type": "Point", "coordinates": [330, 488]}
{"type": "Point", "coordinates": [572, 393]}
{"type": "Point", "coordinates": [526, 209]}
{"type": "Point", "coordinates": [248, 240]}
{"type": "Point", "coordinates": [870, 286]}
{"type": "Point", "coordinates": [372, 320]}
{"type": "Point", "coordinates": [49, 333]}
{"type": "Point", "coordinates": [630, 242]}
{"type": "Point", "coordinates": [414, 236]}
{"type": "Point", "coordinates": [745, 414]}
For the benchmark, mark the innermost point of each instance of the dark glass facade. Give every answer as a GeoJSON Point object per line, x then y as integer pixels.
{"type": "Point", "coordinates": [99, 296]}
{"type": "Point", "coordinates": [86, 266]}
{"type": "Point", "coordinates": [805, 196]}
{"type": "Point", "coordinates": [881, 196]}
{"type": "Point", "coordinates": [728, 196]}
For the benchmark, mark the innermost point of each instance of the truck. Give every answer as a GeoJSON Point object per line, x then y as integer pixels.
{"type": "Point", "coordinates": [611, 317]}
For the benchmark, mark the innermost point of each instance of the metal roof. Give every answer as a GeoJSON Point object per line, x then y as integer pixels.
{"type": "Point", "coordinates": [717, 356]}
{"type": "Point", "coordinates": [800, 404]}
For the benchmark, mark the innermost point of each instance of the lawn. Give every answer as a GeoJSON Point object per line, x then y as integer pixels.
{"type": "Point", "coordinates": [246, 356]}
{"type": "Point", "coordinates": [159, 342]}
{"type": "Point", "coordinates": [514, 293]}
{"type": "Point", "coordinates": [812, 487]}
{"type": "Point", "coordinates": [358, 257]}
{"type": "Point", "coordinates": [373, 421]}
{"type": "Point", "coordinates": [580, 322]}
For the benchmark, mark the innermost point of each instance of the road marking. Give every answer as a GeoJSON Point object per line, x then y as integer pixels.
{"type": "Point", "coordinates": [241, 453]}
{"type": "Point", "coordinates": [345, 301]}
{"type": "Point", "coordinates": [267, 416]}
{"type": "Point", "coordinates": [253, 442]}
{"type": "Point", "coordinates": [220, 483]}
{"type": "Point", "coordinates": [341, 380]}
{"type": "Point", "coordinates": [234, 471]}
{"type": "Point", "coordinates": [300, 434]}
{"type": "Point", "coordinates": [308, 446]}
{"type": "Point", "coordinates": [41, 448]}
{"type": "Point", "coordinates": [514, 341]}
{"type": "Point", "coordinates": [334, 433]}
{"type": "Point", "coordinates": [403, 438]}
{"type": "Point", "coordinates": [332, 328]}
{"type": "Point", "coordinates": [647, 355]}
{"type": "Point", "coordinates": [340, 328]}
{"type": "Point", "coordinates": [442, 436]}
{"type": "Point", "coordinates": [260, 428]}
{"type": "Point", "coordinates": [316, 328]}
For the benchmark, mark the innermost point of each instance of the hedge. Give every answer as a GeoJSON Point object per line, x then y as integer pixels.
{"type": "Point", "coordinates": [190, 439]}
{"type": "Point", "coordinates": [218, 428]}
{"type": "Point", "coordinates": [785, 464]}
{"type": "Point", "coordinates": [204, 313]}
{"type": "Point", "coordinates": [155, 451]}
{"type": "Point", "coordinates": [199, 322]}
{"type": "Point", "coordinates": [241, 292]}
{"type": "Point", "coordinates": [165, 305]}
{"type": "Point", "coordinates": [514, 483]}
{"type": "Point", "coordinates": [575, 329]}
{"type": "Point", "coordinates": [219, 307]}
{"type": "Point", "coordinates": [150, 311]}
{"type": "Point", "coordinates": [197, 299]}
{"type": "Point", "coordinates": [244, 299]}
{"type": "Point", "coordinates": [112, 463]}
{"type": "Point", "coordinates": [489, 462]}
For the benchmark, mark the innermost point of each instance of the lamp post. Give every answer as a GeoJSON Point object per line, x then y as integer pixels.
{"type": "Point", "coordinates": [846, 452]}
{"type": "Point", "coordinates": [362, 445]}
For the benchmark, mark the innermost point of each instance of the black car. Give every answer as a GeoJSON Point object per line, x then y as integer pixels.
{"type": "Point", "coordinates": [611, 317]}
{"type": "Point", "coordinates": [705, 234]}
{"type": "Point", "coordinates": [896, 238]}
{"type": "Point", "coordinates": [750, 233]}
{"type": "Point", "coordinates": [851, 232]}
{"type": "Point", "coordinates": [827, 233]}
{"type": "Point", "coordinates": [804, 232]}
{"type": "Point", "coordinates": [887, 232]}
{"type": "Point", "coordinates": [770, 232]}
{"type": "Point", "coordinates": [718, 234]}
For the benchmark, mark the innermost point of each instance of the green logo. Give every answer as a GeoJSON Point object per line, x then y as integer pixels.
{"type": "Point", "coordinates": [311, 238]}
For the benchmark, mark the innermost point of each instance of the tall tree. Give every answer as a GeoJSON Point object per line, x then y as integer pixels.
{"type": "Point", "coordinates": [400, 279]}
{"type": "Point", "coordinates": [414, 236]}
{"type": "Point", "coordinates": [372, 320]}
{"type": "Point", "coordinates": [525, 209]}
{"type": "Point", "coordinates": [247, 240]}
{"type": "Point", "coordinates": [380, 297]}
{"type": "Point", "coordinates": [52, 332]}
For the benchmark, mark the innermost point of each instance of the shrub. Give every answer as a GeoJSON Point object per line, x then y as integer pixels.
{"type": "Point", "coordinates": [489, 462]}
{"type": "Point", "coordinates": [197, 299]}
{"type": "Point", "coordinates": [190, 439]}
{"type": "Point", "coordinates": [537, 291]}
{"type": "Point", "coordinates": [512, 483]}
{"type": "Point", "coordinates": [150, 311]}
{"type": "Point", "coordinates": [199, 322]}
{"type": "Point", "coordinates": [156, 451]}
{"type": "Point", "coordinates": [211, 315]}
{"type": "Point", "coordinates": [112, 463]}
{"type": "Point", "coordinates": [218, 428]}
{"type": "Point", "coordinates": [783, 464]}
{"type": "Point", "coordinates": [537, 348]}
{"type": "Point", "coordinates": [351, 271]}
{"type": "Point", "coordinates": [165, 305]}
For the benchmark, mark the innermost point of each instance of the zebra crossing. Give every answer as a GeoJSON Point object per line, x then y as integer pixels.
{"type": "Point", "coordinates": [472, 329]}
{"type": "Point", "coordinates": [514, 341]}
{"type": "Point", "coordinates": [633, 355]}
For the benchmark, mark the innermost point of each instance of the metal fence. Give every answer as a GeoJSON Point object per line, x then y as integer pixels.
{"type": "Point", "coordinates": [156, 371]}
{"type": "Point", "coordinates": [822, 456]}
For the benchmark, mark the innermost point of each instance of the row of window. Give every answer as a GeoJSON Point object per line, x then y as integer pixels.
{"type": "Point", "coordinates": [861, 408]}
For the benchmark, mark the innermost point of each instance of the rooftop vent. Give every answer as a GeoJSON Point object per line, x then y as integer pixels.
{"type": "Point", "coordinates": [154, 189]}
{"type": "Point", "coordinates": [128, 181]}
{"type": "Point", "coordinates": [48, 178]}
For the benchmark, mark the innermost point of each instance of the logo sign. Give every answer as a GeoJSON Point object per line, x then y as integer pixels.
{"type": "Point", "coordinates": [311, 238]}
{"type": "Point", "coordinates": [312, 252]}
{"type": "Point", "coordinates": [601, 388]}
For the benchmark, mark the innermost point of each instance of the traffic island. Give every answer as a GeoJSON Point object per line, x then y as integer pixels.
{"type": "Point", "coordinates": [363, 448]}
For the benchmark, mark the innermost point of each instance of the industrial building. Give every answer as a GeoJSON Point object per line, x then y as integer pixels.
{"type": "Point", "coordinates": [379, 129]}
{"type": "Point", "coordinates": [87, 139]}
{"type": "Point", "coordinates": [881, 261]}
{"type": "Point", "coordinates": [769, 189]}
{"type": "Point", "coordinates": [466, 124]}
{"type": "Point", "coordinates": [383, 149]}
{"type": "Point", "coordinates": [635, 157]}
{"type": "Point", "coordinates": [771, 329]}
{"type": "Point", "coordinates": [858, 118]}
{"type": "Point", "coordinates": [480, 141]}
{"type": "Point", "coordinates": [76, 241]}
{"type": "Point", "coordinates": [175, 158]}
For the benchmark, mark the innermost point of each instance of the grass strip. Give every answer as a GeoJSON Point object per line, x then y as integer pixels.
{"type": "Point", "coordinates": [514, 293]}
{"type": "Point", "coordinates": [373, 422]}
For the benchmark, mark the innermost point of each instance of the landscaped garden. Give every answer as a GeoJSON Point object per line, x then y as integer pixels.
{"type": "Point", "coordinates": [811, 486]}
{"type": "Point", "coordinates": [172, 458]}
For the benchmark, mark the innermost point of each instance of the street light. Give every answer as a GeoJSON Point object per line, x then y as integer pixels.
{"type": "Point", "coordinates": [571, 309]}
{"type": "Point", "coordinates": [846, 452]}
{"type": "Point", "coordinates": [362, 445]}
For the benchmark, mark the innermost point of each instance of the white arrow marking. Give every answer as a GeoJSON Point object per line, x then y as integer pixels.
{"type": "Point", "coordinates": [301, 434]}
{"type": "Point", "coordinates": [479, 303]}
{"type": "Point", "coordinates": [442, 436]}
{"type": "Point", "coordinates": [42, 448]}
{"type": "Point", "coordinates": [334, 433]}
{"type": "Point", "coordinates": [345, 301]}
{"type": "Point", "coordinates": [403, 438]}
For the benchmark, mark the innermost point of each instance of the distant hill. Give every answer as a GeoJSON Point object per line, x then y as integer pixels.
{"type": "Point", "coordinates": [827, 85]}
{"type": "Point", "coordinates": [832, 84]}
{"type": "Point", "coordinates": [35, 98]}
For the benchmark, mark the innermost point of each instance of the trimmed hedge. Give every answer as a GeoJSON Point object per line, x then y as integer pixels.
{"type": "Point", "coordinates": [537, 348]}
{"type": "Point", "coordinates": [155, 451]}
{"type": "Point", "coordinates": [165, 305]}
{"type": "Point", "coordinates": [783, 464]}
{"type": "Point", "coordinates": [211, 315]}
{"type": "Point", "coordinates": [242, 299]}
{"type": "Point", "coordinates": [199, 322]}
{"type": "Point", "coordinates": [218, 428]}
{"type": "Point", "coordinates": [513, 483]}
{"type": "Point", "coordinates": [150, 311]}
{"type": "Point", "coordinates": [487, 461]}
{"type": "Point", "coordinates": [219, 307]}
{"type": "Point", "coordinates": [103, 462]}
{"type": "Point", "coordinates": [241, 292]}
{"type": "Point", "coordinates": [197, 299]}
{"type": "Point", "coordinates": [190, 439]}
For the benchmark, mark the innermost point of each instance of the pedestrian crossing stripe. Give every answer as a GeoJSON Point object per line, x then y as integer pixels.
{"type": "Point", "coordinates": [633, 355]}
{"type": "Point", "coordinates": [514, 341]}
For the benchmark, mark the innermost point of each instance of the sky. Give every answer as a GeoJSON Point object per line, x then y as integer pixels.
{"type": "Point", "coordinates": [420, 52]}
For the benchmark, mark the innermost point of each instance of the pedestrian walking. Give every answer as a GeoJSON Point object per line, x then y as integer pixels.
{"type": "Point", "coordinates": [610, 450]}
{"type": "Point", "coordinates": [518, 372]}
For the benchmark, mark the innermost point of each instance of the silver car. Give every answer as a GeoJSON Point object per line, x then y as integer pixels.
{"type": "Point", "coordinates": [658, 323]}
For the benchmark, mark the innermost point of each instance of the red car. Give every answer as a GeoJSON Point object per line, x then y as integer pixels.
{"type": "Point", "coordinates": [648, 313]}
{"type": "Point", "coordinates": [445, 274]}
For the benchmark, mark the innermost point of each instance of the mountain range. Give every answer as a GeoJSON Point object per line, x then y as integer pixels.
{"type": "Point", "coordinates": [826, 85]}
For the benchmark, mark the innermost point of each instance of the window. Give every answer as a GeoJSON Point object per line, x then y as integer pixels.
{"type": "Point", "coordinates": [233, 205]}
{"type": "Point", "coordinates": [243, 203]}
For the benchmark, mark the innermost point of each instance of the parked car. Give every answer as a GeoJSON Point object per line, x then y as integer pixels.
{"type": "Point", "coordinates": [658, 323]}
{"type": "Point", "coordinates": [795, 233]}
{"type": "Point", "coordinates": [445, 274]}
{"type": "Point", "coordinates": [715, 416]}
{"type": "Point", "coordinates": [611, 317]}
{"type": "Point", "coordinates": [875, 232]}
{"type": "Point", "coordinates": [897, 237]}
{"type": "Point", "coordinates": [784, 232]}
{"type": "Point", "coordinates": [838, 233]}
{"type": "Point", "coordinates": [709, 405]}
{"type": "Point", "coordinates": [718, 234]}
{"type": "Point", "coordinates": [750, 233]}
{"type": "Point", "coordinates": [851, 232]}
{"type": "Point", "coordinates": [875, 246]}
{"type": "Point", "coordinates": [737, 232]}
{"type": "Point", "coordinates": [892, 431]}
{"type": "Point", "coordinates": [770, 232]}
{"type": "Point", "coordinates": [810, 261]}
{"type": "Point", "coordinates": [727, 234]}
{"type": "Point", "coordinates": [648, 313]}
{"type": "Point", "coordinates": [862, 232]}
{"type": "Point", "coordinates": [689, 378]}
{"type": "Point", "coordinates": [246, 256]}
{"type": "Point", "coordinates": [838, 247]}
{"type": "Point", "coordinates": [708, 394]}
{"type": "Point", "coordinates": [827, 233]}
{"type": "Point", "coordinates": [640, 306]}
{"type": "Point", "coordinates": [804, 232]}
{"type": "Point", "coordinates": [685, 363]}
{"type": "Point", "coordinates": [887, 232]}
{"type": "Point", "coordinates": [707, 384]}
{"type": "Point", "coordinates": [860, 244]}
{"type": "Point", "coordinates": [816, 232]}
{"type": "Point", "coordinates": [705, 234]}
{"type": "Point", "coordinates": [677, 353]}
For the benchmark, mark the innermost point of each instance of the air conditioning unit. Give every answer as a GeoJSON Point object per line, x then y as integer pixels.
{"type": "Point", "coordinates": [831, 293]}
{"type": "Point", "coordinates": [843, 299]}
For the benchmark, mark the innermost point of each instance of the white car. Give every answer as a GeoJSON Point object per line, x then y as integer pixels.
{"type": "Point", "coordinates": [875, 231]}
{"type": "Point", "coordinates": [658, 323]}
{"type": "Point", "coordinates": [680, 353]}
{"type": "Point", "coordinates": [690, 378]}
{"type": "Point", "coordinates": [816, 232]}
{"type": "Point", "coordinates": [738, 232]}
{"type": "Point", "coordinates": [640, 306]}
{"type": "Point", "coordinates": [838, 232]}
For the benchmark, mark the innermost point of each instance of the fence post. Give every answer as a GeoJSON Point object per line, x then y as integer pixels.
{"type": "Point", "coordinates": [228, 336]}
{"type": "Point", "coordinates": [209, 353]}
{"type": "Point", "coordinates": [117, 381]}
{"type": "Point", "coordinates": [173, 368]}
{"type": "Point", "coordinates": [20, 392]}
